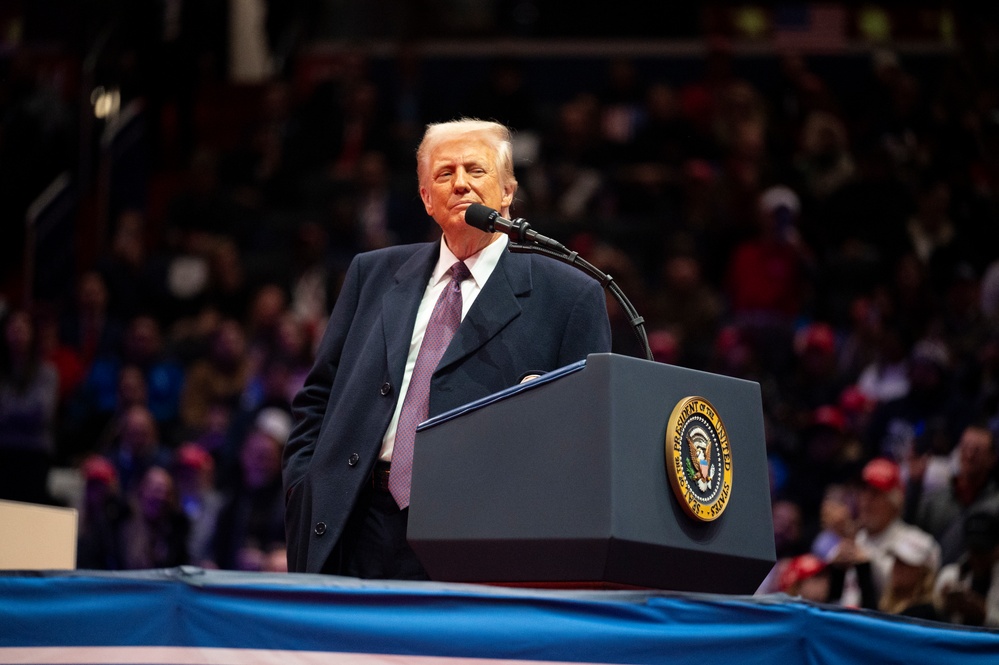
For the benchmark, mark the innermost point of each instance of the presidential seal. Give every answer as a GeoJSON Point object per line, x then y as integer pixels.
{"type": "Point", "coordinates": [699, 458]}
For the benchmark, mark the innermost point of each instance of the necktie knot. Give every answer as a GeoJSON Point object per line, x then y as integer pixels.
{"type": "Point", "coordinates": [459, 272]}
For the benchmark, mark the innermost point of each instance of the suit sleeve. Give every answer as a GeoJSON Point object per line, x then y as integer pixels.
{"type": "Point", "coordinates": [588, 328]}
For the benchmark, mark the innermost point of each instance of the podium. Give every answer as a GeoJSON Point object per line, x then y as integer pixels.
{"type": "Point", "coordinates": [565, 481]}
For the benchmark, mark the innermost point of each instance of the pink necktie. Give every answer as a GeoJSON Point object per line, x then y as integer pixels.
{"type": "Point", "coordinates": [443, 323]}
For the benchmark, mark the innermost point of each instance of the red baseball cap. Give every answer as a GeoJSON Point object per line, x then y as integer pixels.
{"type": "Point", "coordinates": [193, 456]}
{"type": "Point", "coordinates": [728, 339]}
{"type": "Point", "coordinates": [99, 469]}
{"type": "Point", "coordinates": [829, 416]}
{"type": "Point", "coordinates": [853, 400]}
{"type": "Point", "coordinates": [816, 337]}
{"type": "Point", "coordinates": [799, 569]}
{"type": "Point", "coordinates": [882, 474]}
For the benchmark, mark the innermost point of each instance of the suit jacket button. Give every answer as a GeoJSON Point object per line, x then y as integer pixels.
{"type": "Point", "coordinates": [353, 459]}
{"type": "Point", "coordinates": [386, 389]}
{"type": "Point", "coordinates": [320, 528]}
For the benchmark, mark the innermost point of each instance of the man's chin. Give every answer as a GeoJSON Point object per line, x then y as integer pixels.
{"type": "Point", "coordinates": [456, 224]}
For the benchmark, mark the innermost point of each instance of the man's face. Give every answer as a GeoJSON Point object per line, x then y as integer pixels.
{"type": "Point", "coordinates": [261, 460]}
{"type": "Point", "coordinates": [155, 493]}
{"type": "Point", "coordinates": [875, 510]}
{"type": "Point", "coordinates": [462, 171]}
{"type": "Point", "coordinates": [976, 455]}
{"type": "Point", "coordinates": [138, 432]}
{"type": "Point", "coordinates": [815, 588]}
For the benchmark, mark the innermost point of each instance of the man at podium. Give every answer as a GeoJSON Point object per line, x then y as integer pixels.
{"type": "Point", "coordinates": [418, 330]}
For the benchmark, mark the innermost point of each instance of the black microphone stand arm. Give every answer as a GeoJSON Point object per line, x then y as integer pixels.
{"type": "Point", "coordinates": [554, 249]}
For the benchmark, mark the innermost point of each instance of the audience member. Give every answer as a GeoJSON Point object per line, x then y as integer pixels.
{"type": "Point", "coordinates": [686, 304]}
{"type": "Point", "coordinates": [228, 292]}
{"type": "Point", "coordinates": [984, 377]}
{"type": "Point", "coordinates": [251, 522]}
{"type": "Point", "coordinates": [103, 510]}
{"type": "Point", "coordinates": [125, 283]}
{"type": "Point", "coordinates": [967, 590]}
{"type": "Point", "coordinates": [960, 319]}
{"type": "Point", "coordinates": [314, 279]}
{"type": "Point", "coordinates": [652, 160]}
{"type": "Point", "coordinates": [96, 402]}
{"type": "Point", "coordinates": [931, 397]}
{"type": "Point", "coordinates": [813, 379]}
{"type": "Point", "coordinates": [915, 561]}
{"type": "Point", "coordinates": [29, 398]}
{"type": "Point", "coordinates": [790, 538]}
{"type": "Point", "coordinates": [767, 284]}
{"type": "Point", "coordinates": [933, 237]}
{"type": "Point", "coordinates": [822, 457]}
{"type": "Point", "coordinates": [268, 306]}
{"type": "Point", "coordinates": [929, 466]}
{"type": "Point", "coordinates": [823, 160]}
{"type": "Point", "coordinates": [878, 527]}
{"type": "Point", "coordinates": [199, 498]}
{"type": "Point", "coordinates": [837, 519]}
{"type": "Point", "coordinates": [87, 324]}
{"type": "Point", "coordinates": [863, 329]}
{"type": "Point", "coordinates": [856, 408]}
{"type": "Point", "coordinates": [217, 380]}
{"type": "Point", "coordinates": [383, 212]}
{"type": "Point", "coordinates": [155, 534]}
{"type": "Point", "coordinates": [942, 511]}
{"type": "Point", "coordinates": [886, 376]}
{"type": "Point", "coordinates": [566, 180]}
{"type": "Point", "coordinates": [805, 576]}
{"type": "Point", "coordinates": [132, 392]}
{"type": "Point", "coordinates": [136, 447]}
{"type": "Point", "coordinates": [907, 297]}
{"type": "Point", "coordinates": [64, 358]}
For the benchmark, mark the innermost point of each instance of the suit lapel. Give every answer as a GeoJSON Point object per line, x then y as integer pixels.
{"type": "Point", "coordinates": [400, 304]}
{"type": "Point", "coordinates": [495, 306]}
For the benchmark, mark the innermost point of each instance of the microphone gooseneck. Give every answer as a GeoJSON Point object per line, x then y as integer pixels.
{"type": "Point", "coordinates": [527, 240]}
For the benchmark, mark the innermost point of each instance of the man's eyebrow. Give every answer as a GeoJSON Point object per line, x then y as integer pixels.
{"type": "Point", "coordinates": [452, 162]}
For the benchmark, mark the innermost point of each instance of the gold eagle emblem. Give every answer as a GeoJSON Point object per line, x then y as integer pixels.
{"type": "Point", "coordinates": [700, 450]}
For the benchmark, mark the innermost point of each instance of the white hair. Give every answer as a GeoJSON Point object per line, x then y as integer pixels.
{"type": "Point", "coordinates": [497, 134]}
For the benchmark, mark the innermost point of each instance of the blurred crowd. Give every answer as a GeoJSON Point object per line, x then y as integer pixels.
{"type": "Point", "coordinates": [836, 245]}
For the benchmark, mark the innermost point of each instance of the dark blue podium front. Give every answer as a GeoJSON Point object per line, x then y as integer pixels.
{"type": "Point", "coordinates": [565, 482]}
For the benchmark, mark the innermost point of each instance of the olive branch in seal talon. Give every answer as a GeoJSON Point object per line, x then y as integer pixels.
{"type": "Point", "coordinates": [691, 471]}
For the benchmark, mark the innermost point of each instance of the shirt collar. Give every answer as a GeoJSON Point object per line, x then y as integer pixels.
{"type": "Point", "coordinates": [480, 264]}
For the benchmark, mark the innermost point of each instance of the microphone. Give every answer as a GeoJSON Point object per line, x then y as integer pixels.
{"type": "Point", "coordinates": [489, 220]}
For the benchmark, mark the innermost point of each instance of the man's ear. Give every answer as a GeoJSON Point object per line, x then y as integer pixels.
{"type": "Point", "coordinates": [425, 195]}
{"type": "Point", "coordinates": [507, 199]}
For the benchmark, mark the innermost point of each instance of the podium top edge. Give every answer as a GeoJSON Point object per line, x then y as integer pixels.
{"type": "Point", "coordinates": [597, 359]}
{"type": "Point", "coordinates": [503, 394]}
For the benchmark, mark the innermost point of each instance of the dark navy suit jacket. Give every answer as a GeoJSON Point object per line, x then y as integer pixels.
{"type": "Point", "coordinates": [533, 313]}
